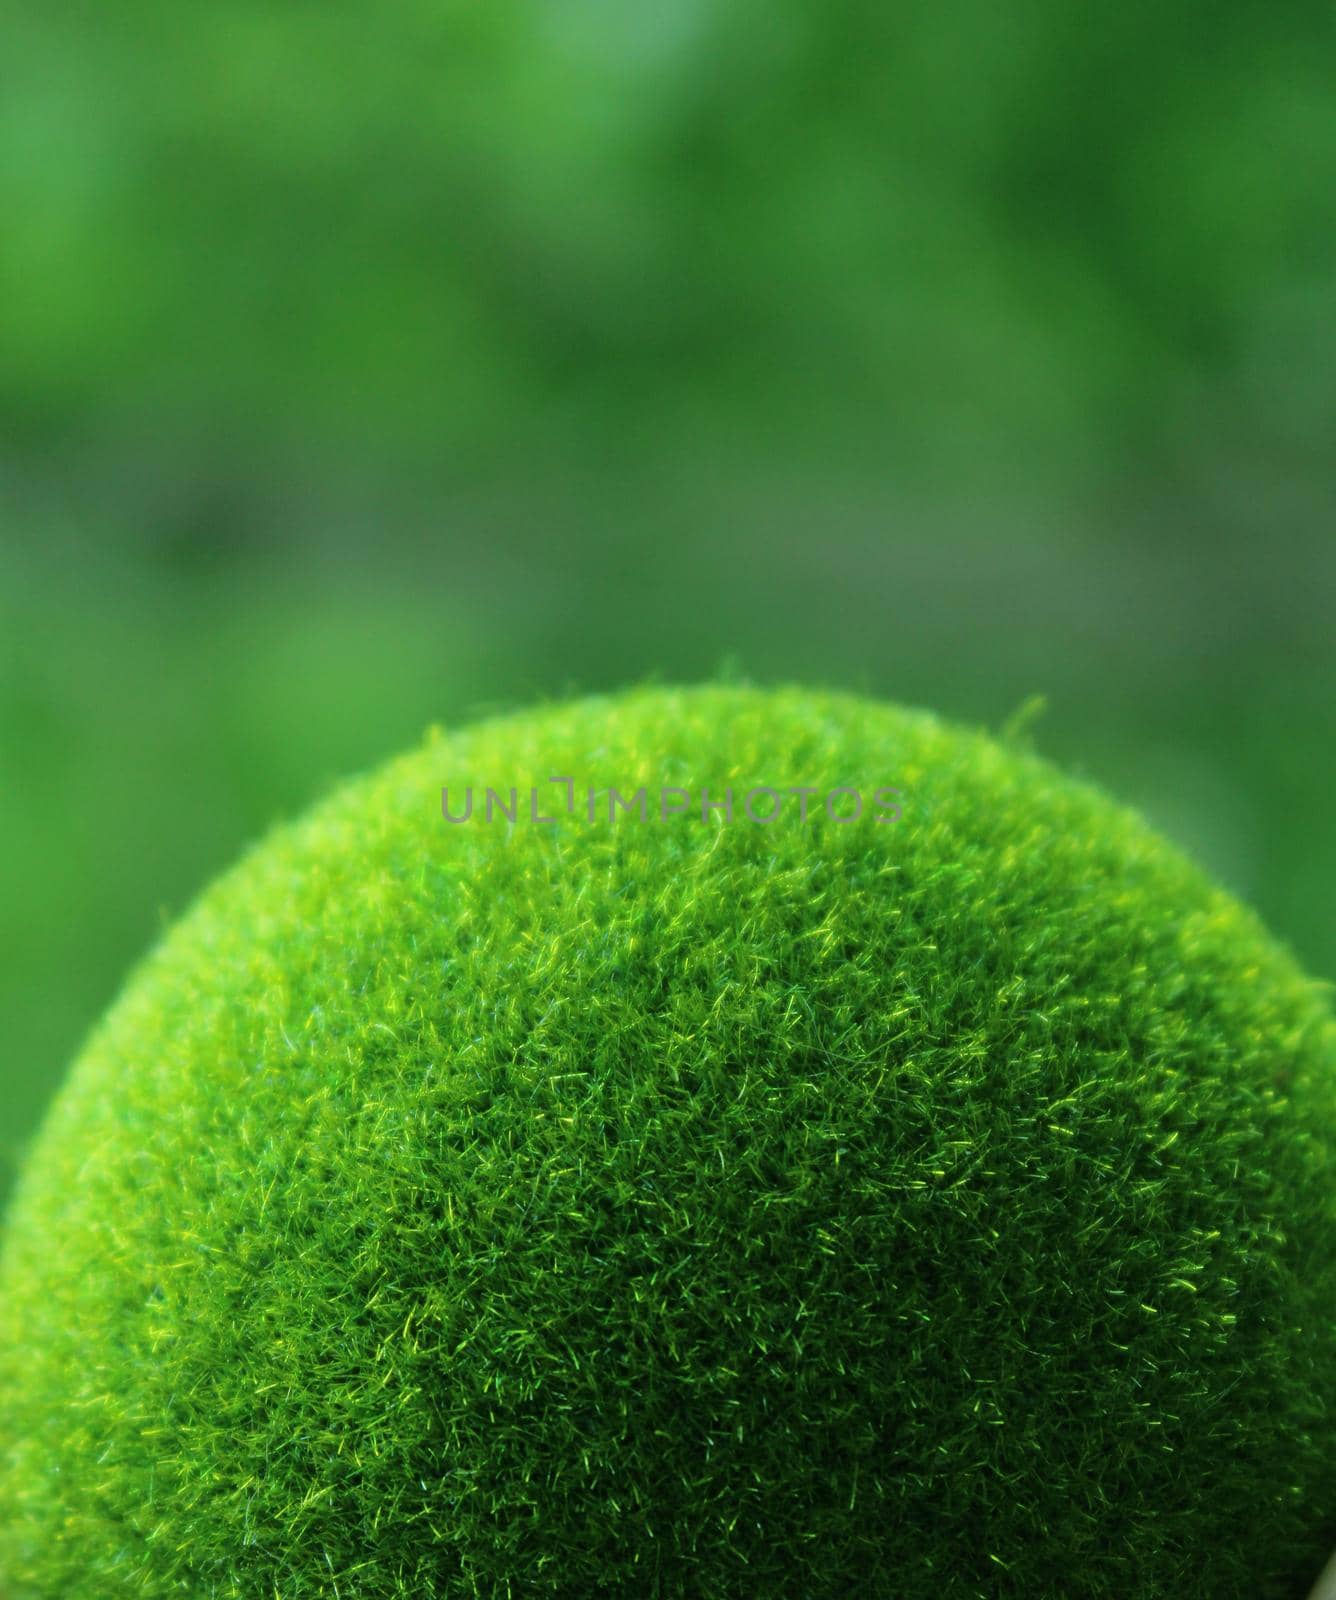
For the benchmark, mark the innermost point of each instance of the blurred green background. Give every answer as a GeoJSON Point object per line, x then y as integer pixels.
{"type": "Point", "coordinates": [367, 368]}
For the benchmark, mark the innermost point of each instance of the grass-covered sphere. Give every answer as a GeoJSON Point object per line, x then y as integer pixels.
{"type": "Point", "coordinates": [932, 1205]}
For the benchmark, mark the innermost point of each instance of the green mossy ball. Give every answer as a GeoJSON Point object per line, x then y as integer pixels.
{"type": "Point", "coordinates": [916, 1209]}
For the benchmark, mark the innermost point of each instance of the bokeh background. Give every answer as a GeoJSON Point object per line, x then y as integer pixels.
{"type": "Point", "coordinates": [363, 368]}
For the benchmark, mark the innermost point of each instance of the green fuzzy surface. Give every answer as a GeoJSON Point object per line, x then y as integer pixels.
{"type": "Point", "coordinates": [933, 1211]}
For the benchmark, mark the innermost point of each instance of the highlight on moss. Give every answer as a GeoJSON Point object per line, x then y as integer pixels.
{"type": "Point", "coordinates": [674, 1208]}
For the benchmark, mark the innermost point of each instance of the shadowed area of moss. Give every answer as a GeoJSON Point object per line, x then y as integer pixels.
{"type": "Point", "coordinates": [686, 1208]}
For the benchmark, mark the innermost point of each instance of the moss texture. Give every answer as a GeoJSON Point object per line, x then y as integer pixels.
{"type": "Point", "coordinates": [684, 1208]}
